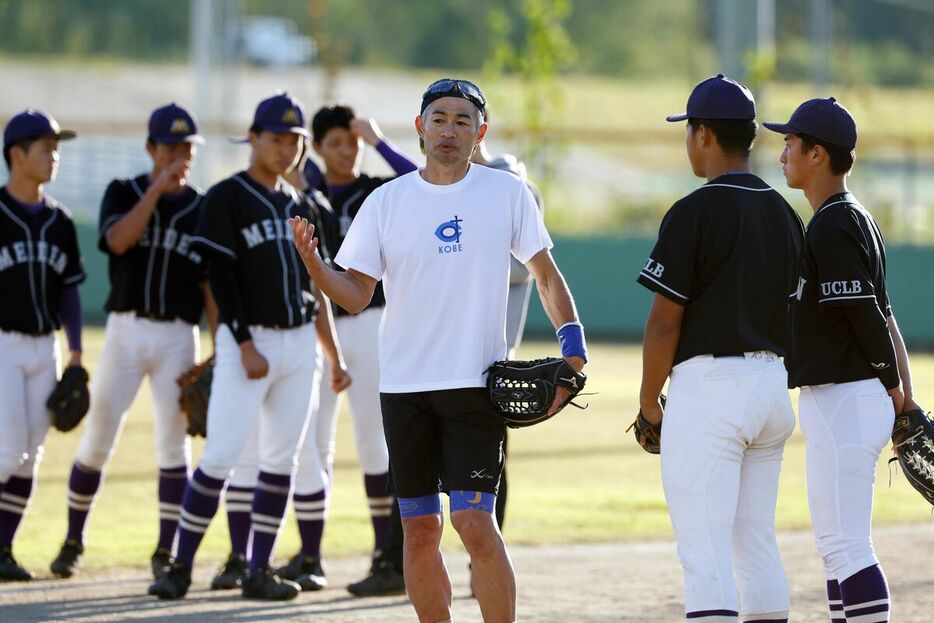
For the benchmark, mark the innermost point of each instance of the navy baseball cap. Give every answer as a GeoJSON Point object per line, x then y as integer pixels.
{"type": "Point", "coordinates": [32, 123]}
{"type": "Point", "coordinates": [174, 124]}
{"type": "Point", "coordinates": [451, 87]}
{"type": "Point", "coordinates": [280, 113]}
{"type": "Point", "coordinates": [824, 119]}
{"type": "Point", "coordinates": [719, 97]}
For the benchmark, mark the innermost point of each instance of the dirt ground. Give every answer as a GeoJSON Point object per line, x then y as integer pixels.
{"type": "Point", "coordinates": [606, 582]}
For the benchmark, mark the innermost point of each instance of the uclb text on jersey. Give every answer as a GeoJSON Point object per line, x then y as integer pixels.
{"type": "Point", "coordinates": [450, 232]}
{"type": "Point", "coordinates": [653, 268]}
{"type": "Point", "coordinates": [29, 251]}
{"type": "Point", "coordinates": [837, 288]}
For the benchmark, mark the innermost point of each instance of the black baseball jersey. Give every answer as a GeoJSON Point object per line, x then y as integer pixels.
{"type": "Point", "coordinates": [160, 276]}
{"type": "Point", "coordinates": [727, 252]}
{"type": "Point", "coordinates": [345, 206]}
{"type": "Point", "coordinates": [246, 223]}
{"type": "Point", "coordinates": [39, 258]}
{"type": "Point", "coordinates": [842, 264]}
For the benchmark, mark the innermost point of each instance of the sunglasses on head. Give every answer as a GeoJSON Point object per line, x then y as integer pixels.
{"type": "Point", "coordinates": [458, 88]}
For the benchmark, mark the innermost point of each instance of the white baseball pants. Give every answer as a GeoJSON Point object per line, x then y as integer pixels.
{"type": "Point", "coordinates": [723, 435]}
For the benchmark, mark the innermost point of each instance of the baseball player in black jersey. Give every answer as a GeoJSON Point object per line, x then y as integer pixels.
{"type": "Point", "coordinates": [265, 346]}
{"type": "Point", "coordinates": [721, 272]}
{"type": "Point", "coordinates": [157, 292]}
{"type": "Point", "coordinates": [846, 354]}
{"type": "Point", "coordinates": [40, 269]}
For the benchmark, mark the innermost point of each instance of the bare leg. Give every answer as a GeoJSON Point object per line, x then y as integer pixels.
{"type": "Point", "coordinates": [494, 580]}
{"type": "Point", "coordinates": [426, 578]}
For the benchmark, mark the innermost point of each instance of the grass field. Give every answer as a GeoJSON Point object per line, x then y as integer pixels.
{"type": "Point", "coordinates": [577, 478]}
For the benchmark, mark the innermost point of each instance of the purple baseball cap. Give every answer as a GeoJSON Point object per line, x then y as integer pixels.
{"type": "Point", "coordinates": [719, 97]}
{"type": "Point", "coordinates": [32, 123]}
{"type": "Point", "coordinates": [824, 119]}
{"type": "Point", "coordinates": [281, 113]}
{"type": "Point", "coordinates": [174, 124]}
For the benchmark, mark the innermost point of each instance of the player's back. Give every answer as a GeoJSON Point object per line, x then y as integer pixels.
{"type": "Point", "coordinates": [742, 240]}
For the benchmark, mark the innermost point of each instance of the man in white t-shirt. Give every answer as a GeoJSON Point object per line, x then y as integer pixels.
{"type": "Point", "coordinates": [440, 239]}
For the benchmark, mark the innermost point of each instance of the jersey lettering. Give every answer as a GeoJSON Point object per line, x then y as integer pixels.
{"type": "Point", "coordinates": [169, 239]}
{"type": "Point", "coordinates": [840, 288]}
{"type": "Point", "coordinates": [653, 268]}
{"type": "Point", "coordinates": [41, 252]}
{"type": "Point", "coordinates": [266, 230]}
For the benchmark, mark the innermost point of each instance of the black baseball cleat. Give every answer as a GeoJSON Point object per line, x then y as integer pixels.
{"type": "Point", "coordinates": [385, 578]}
{"type": "Point", "coordinates": [161, 561]}
{"type": "Point", "coordinates": [68, 559]}
{"type": "Point", "coordinates": [306, 570]}
{"type": "Point", "coordinates": [174, 584]}
{"type": "Point", "coordinates": [10, 570]}
{"type": "Point", "coordinates": [265, 584]}
{"type": "Point", "coordinates": [231, 573]}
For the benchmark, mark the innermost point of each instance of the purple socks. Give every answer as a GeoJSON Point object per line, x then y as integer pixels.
{"type": "Point", "coordinates": [83, 484]}
{"type": "Point", "coordinates": [269, 504]}
{"type": "Point", "coordinates": [381, 501]}
{"type": "Point", "coordinates": [171, 489]}
{"type": "Point", "coordinates": [310, 511]}
{"type": "Point", "coordinates": [199, 504]}
{"type": "Point", "coordinates": [239, 504]}
{"type": "Point", "coordinates": [865, 596]}
{"type": "Point", "coordinates": [14, 499]}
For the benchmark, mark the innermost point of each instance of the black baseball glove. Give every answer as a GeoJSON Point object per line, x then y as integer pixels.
{"type": "Point", "coordinates": [196, 392]}
{"type": "Point", "coordinates": [648, 435]}
{"type": "Point", "coordinates": [522, 391]}
{"type": "Point", "coordinates": [913, 444]}
{"type": "Point", "coordinates": [69, 401]}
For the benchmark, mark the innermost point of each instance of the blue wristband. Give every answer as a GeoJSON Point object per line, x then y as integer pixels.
{"type": "Point", "coordinates": [571, 338]}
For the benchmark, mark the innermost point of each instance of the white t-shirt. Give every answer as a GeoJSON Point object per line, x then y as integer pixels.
{"type": "Point", "coordinates": [443, 255]}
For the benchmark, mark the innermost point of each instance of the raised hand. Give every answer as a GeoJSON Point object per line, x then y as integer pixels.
{"type": "Point", "coordinates": [303, 237]}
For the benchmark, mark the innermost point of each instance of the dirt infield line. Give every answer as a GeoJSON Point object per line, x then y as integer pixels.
{"type": "Point", "coordinates": [638, 581]}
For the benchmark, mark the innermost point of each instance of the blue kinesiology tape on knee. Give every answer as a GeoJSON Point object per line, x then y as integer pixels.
{"type": "Point", "coordinates": [472, 500]}
{"type": "Point", "coordinates": [416, 507]}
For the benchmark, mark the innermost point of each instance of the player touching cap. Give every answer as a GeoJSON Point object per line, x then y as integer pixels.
{"type": "Point", "coordinates": [846, 354]}
{"type": "Point", "coordinates": [265, 351]}
{"type": "Point", "coordinates": [157, 294]}
{"type": "Point", "coordinates": [721, 271]}
{"type": "Point", "coordinates": [442, 430]}
{"type": "Point", "coordinates": [40, 269]}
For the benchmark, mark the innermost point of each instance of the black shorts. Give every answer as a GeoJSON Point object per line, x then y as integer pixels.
{"type": "Point", "coordinates": [446, 440]}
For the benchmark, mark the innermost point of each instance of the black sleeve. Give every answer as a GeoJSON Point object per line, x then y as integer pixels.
{"type": "Point", "coordinates": [670, 268]}
{"type": "Point", "coordinates": [216, 233]}
{"type": "Point", "coordinates": [115, 204]}
{"type": "Point", "coordinates": [872, 335]}
{"type": "Point", "coordinates": [74, 268]}
{"type": "Point", "coordinates": [842, 253]}
{"type": "Point", "coordinates": [226, 293]}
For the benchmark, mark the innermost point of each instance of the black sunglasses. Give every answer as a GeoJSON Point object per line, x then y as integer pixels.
{"type": "Point", "coordinates": [450, 87]}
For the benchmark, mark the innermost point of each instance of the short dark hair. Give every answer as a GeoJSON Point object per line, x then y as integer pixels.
{"type": "Point", "coordinates": [841, 158]}
{"type": "Point", "coordinates": [330, 117]}
{"type": "Point", "coordinates": [24, 144]}
{"type": "Point", "coordinates": [735, 136]}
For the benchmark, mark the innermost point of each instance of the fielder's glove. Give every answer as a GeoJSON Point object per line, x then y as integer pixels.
{"type": "Point", "coordinates": [913, 444]}
{"type": "Point", "coordinates": [522, 391]}
{"type": "Point", "coordinates": [648, 435]}
{"type": "Point", "coordinates": [194, 397]}
{"type": "Point", "coordinates": [69, 401]}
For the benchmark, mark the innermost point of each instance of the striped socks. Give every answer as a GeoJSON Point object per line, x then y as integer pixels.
{"type": "Point", "coordinates": [83, 484]}
{"type": "Point", "coordinates": [14, 500]}
{"type": "Point", "coordinates": [381, 501]}
{"type": "Point", "coordinates": [171, 489]}
{"type": "Point", "coordinates": [865, 596]}
{"type": "Point", "coordinates": [310, 511]}
{"type": "Point", "coordinates": [199, 504]}
{"type": "Point", "coordinates": [712, 616]}
{"type": "Point", "coordinates": [269, 504]}
{"type": "Point", "coordinates": [835, 601]}
{"type": "Point", "coordinates": [239, 504]}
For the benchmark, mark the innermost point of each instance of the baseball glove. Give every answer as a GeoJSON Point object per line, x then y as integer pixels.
{"type": "Point", "coordinates": [913, 444]}
{"type": "Point", "coordinates": [69, 401]}
{"type": "Point", "coordinates": [648, 435]}
{"type": "Point", "coordinates": [194, 397]}
{"type": "Point", "coordinates": [522, 391]}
